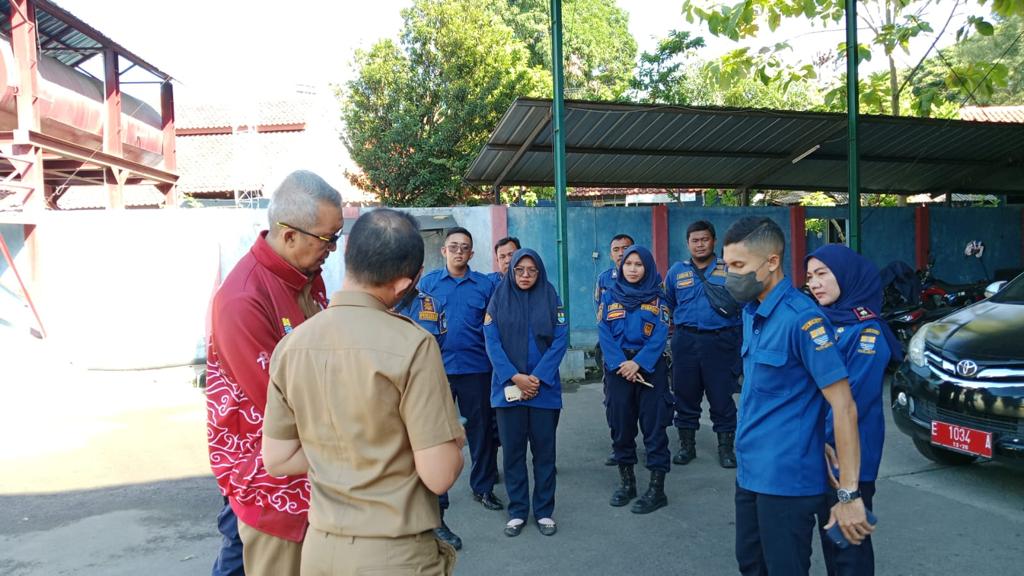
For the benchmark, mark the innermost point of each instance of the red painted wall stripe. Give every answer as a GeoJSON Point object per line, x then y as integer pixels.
{"type": "Point", "coordinates": [922, 236]}
{"type": "Point", "coordinates": [659, 237]}
{"type": "Point", "coordinates": [499, 229]}
{"type": "Point", "coordinates": [798, 243]}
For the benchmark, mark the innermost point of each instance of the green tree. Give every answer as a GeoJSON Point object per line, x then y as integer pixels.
{"type": "Point", "coordinates": [599, 51]}
{"type": "Point", "coordinates": [661, 75]}
{"type": "Point", "coordinates": [418, 111]}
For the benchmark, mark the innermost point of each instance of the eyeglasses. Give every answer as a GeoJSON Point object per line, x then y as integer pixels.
{"type": "Point", "coordinates": [525, 272]}
{"type": "Point", "coordinates": [457, 248]}
{"type": "Point", "coordinates": [332, 239]}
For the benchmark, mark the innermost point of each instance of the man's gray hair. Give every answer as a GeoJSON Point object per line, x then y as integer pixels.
{"type": "Point", "coordinates": [296, 201]}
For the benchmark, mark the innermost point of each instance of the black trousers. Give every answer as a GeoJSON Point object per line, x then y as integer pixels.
{"type": "Point", "coordinates": [853, 560]}
{"type": "Point", "coordinates": [472, 392]}
{"type": "Point", "coordinates": [705, 363]}
{"type": "Point", "coordinates": [773, 533]}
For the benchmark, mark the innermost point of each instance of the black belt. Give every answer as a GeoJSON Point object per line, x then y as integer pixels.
{"type": "Point", "coordinates": [695, 330]}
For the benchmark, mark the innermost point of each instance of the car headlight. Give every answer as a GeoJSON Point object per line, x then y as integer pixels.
{"type": "Point", "coordinates": [915, 351]}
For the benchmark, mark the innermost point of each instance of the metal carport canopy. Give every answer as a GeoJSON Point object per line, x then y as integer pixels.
{"type": "Point", "coordinates": [639, 145]}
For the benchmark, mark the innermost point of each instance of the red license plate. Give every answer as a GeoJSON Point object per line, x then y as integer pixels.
{"type": "Point", "coordinates": [962, 439]}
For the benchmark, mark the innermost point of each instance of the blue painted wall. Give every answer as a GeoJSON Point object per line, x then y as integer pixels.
{"type": "Point", "coordinates": [953, 228]}
{"type": "Point", "coordinates": [886, 234]}
{"type": "Point", "coordinates": [590, 230]}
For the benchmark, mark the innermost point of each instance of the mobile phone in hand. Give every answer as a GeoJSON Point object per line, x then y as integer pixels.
{"type": "Point", "coordinates": [837, 537]}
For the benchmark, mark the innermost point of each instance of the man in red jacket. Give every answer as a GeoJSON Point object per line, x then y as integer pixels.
{"type": "Point", "coordinates": [273, 288]}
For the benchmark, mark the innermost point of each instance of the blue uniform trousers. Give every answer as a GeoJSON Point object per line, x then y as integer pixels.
{"type": "Point", "coordinates": [773, 533]}
{"type": "Point", "coordinates": [229, 559]}
{"type": "Point", "coordinates": [518, 426]}
{"type": "Point", "coordinates": [472, 392]}
{"type": "Point", "coordinates": [705, 363]}
{"type": "Point", "coordinates": [630, 402]}
{"type": "Point", "coordinates": [854, 560]}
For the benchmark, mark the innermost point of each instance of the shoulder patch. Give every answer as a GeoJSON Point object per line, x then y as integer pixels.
{"type": "Point", "coordinates": [560, 316]}
{"type": "Point", "coordinates": [665, 314]}
{"type": "Point", "coordinates": [807, 325]}
{"type": "Point", "coordinates": [863, 313]}
{"type": "Point", "coordinates": [866, 344]}
{"type": "Point", "coordinates": [600, 311]}
{"type": "Point", "coordinates": [871, 331]}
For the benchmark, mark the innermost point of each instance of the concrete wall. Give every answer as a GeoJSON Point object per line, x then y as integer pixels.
{"type": "Point", "coordinates": [951, 230]}
{"type": "Point", "coordinates": [130, 289]}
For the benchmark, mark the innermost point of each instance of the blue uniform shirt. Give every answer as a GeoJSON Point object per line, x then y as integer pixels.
{"type": "Point", "coordinates": [685, 294]}
{"type": "Point", "coordinates": [465, 302]}
{"type": "Point", "coordinates": [788, 356]}
{"type": "Point", "coordinates": [866, 353]}
{"type": "Point", "coordinates": [495, 278]}
{"type": "Point", "coordinates": [428, 312]}
{"type": "Point", "coordinates": [543, 366]}
{"type": "Point", "coordinates": [605, 281]}
{"type": "Point", "coordinates": [644, 329]}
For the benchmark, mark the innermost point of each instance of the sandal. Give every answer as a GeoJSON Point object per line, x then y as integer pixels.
{"type": "Point", "coordinates": [547, 526]}
{"type": "Point", "coordinates": [514, 527]}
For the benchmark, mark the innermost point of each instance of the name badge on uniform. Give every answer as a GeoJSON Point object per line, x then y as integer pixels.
{"type": "Point", "coordinates": [427, 315]}
{"type": "Point", "coordinates": [684, 283]}
{"type": "Point", "coordinates": [616, 314]}
{"type": "Point", "coordinates": [648, 329]}
{"type": "Point", "coordinates": [652, 308]}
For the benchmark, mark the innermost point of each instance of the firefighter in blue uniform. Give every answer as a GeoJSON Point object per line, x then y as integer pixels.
{"type": "Point", "coordinates": [632, 334]}
{"type": "Point", "coordinates": [605, 281]}
{"type": "Point", "coordinates": [705, 346]}
{"type": "Point", "coordinates": [793, 374]}
{"type": "Point", "coordinates": [503, 251]}
{"type": "Point", "coordinates": [465, 294]}
{"type": "Point", "coordinates": [849, 291]}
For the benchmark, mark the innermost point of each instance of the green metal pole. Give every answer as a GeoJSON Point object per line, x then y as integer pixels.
{"type": "Point", "coordinates": [852, 110]}
{"type": "Point", "coordinates": [557, 114]}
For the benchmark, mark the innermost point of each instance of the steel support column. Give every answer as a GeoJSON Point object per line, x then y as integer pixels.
{"type": "Point", "coordinates": [26, 57]}
{"type": "Point", "coordinates": [169, 149]}
{"type": "Point", "coordinates": [797, 243]}
{"type": "Point", "coordinates": [558, 139]}
{"type": "Point", "coordinates": [112, 122]}
{"type": "Point", "coordinates": [922, 237]}
{"type": "Point", "coordinates": [852, 111]}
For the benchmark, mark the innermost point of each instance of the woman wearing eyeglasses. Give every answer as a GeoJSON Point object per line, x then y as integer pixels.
{"type": "Point", "coordinates": [849, 292]}
{"type": "Point", "coordinates": [527, 337]}
{"type": "Point", "coordinates": [632, 331]}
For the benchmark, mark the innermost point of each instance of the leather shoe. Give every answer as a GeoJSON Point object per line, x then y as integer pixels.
{"type": "Point", "coordinates": [547, 529]}
{"type": "Point", "coordinates": [445, 534]}
{"type": "Point", "coordinates": [513, 530]}
{"type": "Point", "coordinates": [610, 461]}
{"type": "Point", "coordinates": [489, 500]}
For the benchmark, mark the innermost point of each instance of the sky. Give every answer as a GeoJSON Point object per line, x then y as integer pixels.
{"type": "Point", "coordinates": [227, 48]}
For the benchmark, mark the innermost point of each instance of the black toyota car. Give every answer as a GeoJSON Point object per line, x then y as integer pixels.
{"type": "Point", "coordinates": [960, 392]}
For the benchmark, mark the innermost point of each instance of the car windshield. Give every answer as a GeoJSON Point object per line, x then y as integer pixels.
{"type": "Point", "coordinates": [1012, 293]}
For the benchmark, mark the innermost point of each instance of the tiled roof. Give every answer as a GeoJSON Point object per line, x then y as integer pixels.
{"type": "Point", "coordinates": [230, 114]}
{"type": "Point", "coordinates": [993, 113]}
{"type": "Point", "coordinates": [227, 162]}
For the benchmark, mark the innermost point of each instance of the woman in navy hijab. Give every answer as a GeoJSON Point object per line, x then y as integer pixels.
{"type": "Point", "coordinates": [848, 289]}
{"type": "Point", "coordinates": [527, 336]}
{"type": "Point", "coordinates": [632, 330]}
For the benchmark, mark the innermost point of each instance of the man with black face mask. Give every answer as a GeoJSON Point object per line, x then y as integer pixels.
{"type": "Point", "coordinates": [791, 370]}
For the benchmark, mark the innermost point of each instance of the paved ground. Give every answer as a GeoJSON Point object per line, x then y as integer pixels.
{"type": "Point", "coordinates": [105, 474]}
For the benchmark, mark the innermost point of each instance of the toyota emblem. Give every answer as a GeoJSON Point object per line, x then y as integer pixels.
{"type": "Point", "coordinates": [966, 368]}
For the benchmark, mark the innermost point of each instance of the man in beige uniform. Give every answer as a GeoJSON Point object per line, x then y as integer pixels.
{"type": "Point", "coordinates": [358, 396]}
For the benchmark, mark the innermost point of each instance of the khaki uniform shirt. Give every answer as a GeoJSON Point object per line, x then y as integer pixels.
{"type": "Point", "coordinates": [361, 389]}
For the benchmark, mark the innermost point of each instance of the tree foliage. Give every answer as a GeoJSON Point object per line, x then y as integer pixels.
{"type": "Point", "coordinates": [419, 110]}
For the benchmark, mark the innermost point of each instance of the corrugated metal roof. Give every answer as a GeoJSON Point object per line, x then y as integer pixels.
{"type": "Point", "coordinates": [67, 38]}
{"type": "Point", "coordinates": [993, 113]}
{"type": "Point", "coordinates": [650, 146]}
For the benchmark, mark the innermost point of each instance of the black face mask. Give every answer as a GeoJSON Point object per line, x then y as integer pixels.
{"type": "Point", "coordinates": [744, 287]}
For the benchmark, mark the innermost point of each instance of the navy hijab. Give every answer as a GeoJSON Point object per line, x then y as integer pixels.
{"type": "Point", "coordinates": [518, 313]}
{"type": "Point", "coordinates": [631, 296]}
{"type": "Point", "coordinates": [860, 286]}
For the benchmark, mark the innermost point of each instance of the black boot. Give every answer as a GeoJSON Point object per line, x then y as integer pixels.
{"type": "Point", "coordinates": [687, 447]}
{"type": "Point", "coordinates": [627, 489]}
{"type": "Point", "coordinates": [726, 454]}
{"type": "Point", "coordinates": [654, 498]}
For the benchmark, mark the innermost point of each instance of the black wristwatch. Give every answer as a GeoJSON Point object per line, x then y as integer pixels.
{"type": "Point", "coordinates": [847, 496]}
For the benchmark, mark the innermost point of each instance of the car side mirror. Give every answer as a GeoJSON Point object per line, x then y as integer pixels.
{"type": "Point", "coordinates": [994, 288]}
